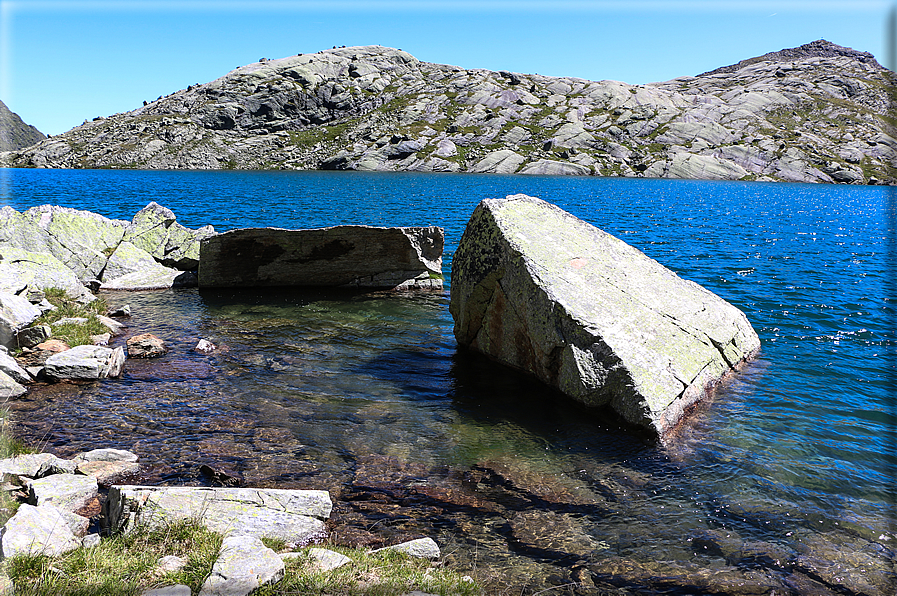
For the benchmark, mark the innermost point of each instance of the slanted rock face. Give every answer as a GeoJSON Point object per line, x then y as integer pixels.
{"type": "Point", "coordinates": [155, 231]}
{"type": "Point", "coordinates": [38, 530]}
{"type": "Point", "coordinates": [341, 256]}
{"type": "Point", "coordinates": [16, 313]}
{"type": "Point", "coordinates": [22, 270]}
{"type": "Point", "coordinates": [545, 292]}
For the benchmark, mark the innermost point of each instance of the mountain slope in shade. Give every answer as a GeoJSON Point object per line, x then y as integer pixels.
{"type": "Point", "coordinates": [15, 134]}
{"type": "Point", "coordinates": [818, 113]}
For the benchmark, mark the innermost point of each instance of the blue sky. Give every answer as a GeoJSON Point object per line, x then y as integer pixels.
{"type": "Point", "coordinates": [62, 62]}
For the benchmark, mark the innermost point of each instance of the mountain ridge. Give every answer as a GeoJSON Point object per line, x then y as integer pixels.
{"type": "Point", "coordinates": [14, 132]}
{"type": "Point", "coordinates": [817, 113]}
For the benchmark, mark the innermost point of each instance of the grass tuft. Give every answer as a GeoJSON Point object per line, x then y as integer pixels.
{"type": "Point", "coordinates": [72, 333]}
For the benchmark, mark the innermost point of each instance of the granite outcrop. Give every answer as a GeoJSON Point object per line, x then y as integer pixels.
{"type": "Point", "coordinates": [540, 290]}
{"type": "Point", "coordinates": [816, 113]}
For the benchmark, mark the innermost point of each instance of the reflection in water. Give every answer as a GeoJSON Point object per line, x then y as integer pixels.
{"type": "Point", "coordinates": [367, 396]}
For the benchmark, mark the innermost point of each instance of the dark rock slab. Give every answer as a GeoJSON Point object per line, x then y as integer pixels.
{"type": "Point", "coordinates": [341, 256]}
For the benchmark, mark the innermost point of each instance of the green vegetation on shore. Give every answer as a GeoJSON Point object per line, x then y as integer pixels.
{"type": "Point", "coordinates": [129, 564]}
{"type": "Point", "coordinates": [73, 334]}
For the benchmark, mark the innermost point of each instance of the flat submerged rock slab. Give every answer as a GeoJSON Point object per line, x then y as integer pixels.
{"type": "Point", "coordinates": [340, 256]}
{"type": "Point", "coordinates": [543, 291]}
{"type": "Point", "coordinates": [289, 515]}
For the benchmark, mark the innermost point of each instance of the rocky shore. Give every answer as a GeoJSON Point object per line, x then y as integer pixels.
{"type": "Point", "coordinates": [816, 113]}
{"type": "Point", "coordinates": [61, 501]}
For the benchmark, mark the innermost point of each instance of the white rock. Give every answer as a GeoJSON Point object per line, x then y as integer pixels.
{"type": "Point", "coordinates": [9, 388]}
{"type": "Point", "coordinates": [204, 346]}
{"type": "Point", "coordinates": [175, 590]}
{"type": "Point", "coordinates": [9, 366]}
{"type": "Point", "coordinates": [170, 563]}
{"type": "Point", "coordinates": [85, 363]}
{"type": "Point", "coordinates": [243, 565]}
{"type": "Point", "coordinates": [289, 515]}
{"type": "Point", "coordinates": [91, 540]}
{"type": "Point", "coordinates": [424, 548]}
{"type": "Point", "coordinates": [69, 492]}
{"type": "Point", "coordinates": [38, 530]}
{"type": "Point", "coordinates": [106, 455]}
{"type": "Point", "coordinates": [114, 327]}
{"type": "Point", "coordinates": [15, 313]}
{"type": "Point", "coordinates": [323, 559]}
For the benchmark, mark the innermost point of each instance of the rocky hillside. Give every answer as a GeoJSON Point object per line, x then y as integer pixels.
{"type": "Point", "coordinates": [818, 113]}
{"type": "Point", "coordinates": [15, 134]}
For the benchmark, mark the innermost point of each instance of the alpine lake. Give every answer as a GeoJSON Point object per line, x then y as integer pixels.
{"type": "Point", "coordinates": [783, 482]}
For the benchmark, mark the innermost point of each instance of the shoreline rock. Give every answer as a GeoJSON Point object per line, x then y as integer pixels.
{"type": "Point", "coordinates": [339, 256]}
{"type": "Point", "coordinates": [540, 290]}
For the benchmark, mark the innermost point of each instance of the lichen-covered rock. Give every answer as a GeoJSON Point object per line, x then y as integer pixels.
{"type": "Point", "coordinates": [289, 515]}
{"type": "Point", "coordinates": [543, 291]}
{"type": "Point", "coordinates": [243, 565]}
{"type": "Point", "coordinates": [22, 270]}
{"type": "Point", "coordinates": [15, 313]}
{"type": "Point", "coordinates": [85, 363]}
{"type": "Point", "coordinates": [69, 492]}
{"type": "Point", "coordinates": [132, 268]}
{"type": "Point", "coordinates": [77, 238]}
{"type": "Point", "coordinates": [38, 530]}
{"type": "Point", "coordinates": [28, 464]}
{"type": "Point", "coordinates": [342, 256]}
{"type": "Point", "coordinates": [154, 229]}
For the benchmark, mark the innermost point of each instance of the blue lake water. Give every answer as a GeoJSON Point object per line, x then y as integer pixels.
{"type": "Point", "coordinates": [368, 396]}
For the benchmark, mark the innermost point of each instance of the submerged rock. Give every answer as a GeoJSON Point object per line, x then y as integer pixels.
{"type": "Point", "coordinates": [341, 256]}
{"type": "Point", "coordinates": [543, 291]}
{"type": "Point", "coordinates": [146, 345]}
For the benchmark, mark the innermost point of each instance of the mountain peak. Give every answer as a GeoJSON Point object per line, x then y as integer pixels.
{"type": "Point", "coordinates": [815, 49]}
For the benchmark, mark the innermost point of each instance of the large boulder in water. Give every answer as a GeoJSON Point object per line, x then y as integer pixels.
{"type": "Point", "coordinates": [341, 256]}
{"type": "Point", "coordinates": [543, 291]}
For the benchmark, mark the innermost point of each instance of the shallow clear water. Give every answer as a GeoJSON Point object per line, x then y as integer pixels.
{"type": "Point", "coordinates": [367, 395]}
